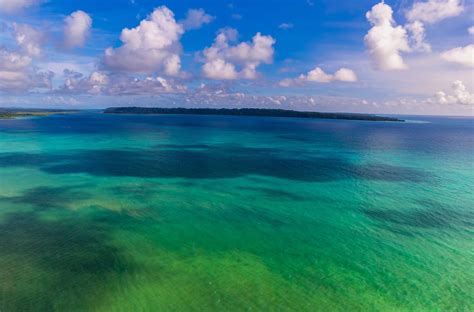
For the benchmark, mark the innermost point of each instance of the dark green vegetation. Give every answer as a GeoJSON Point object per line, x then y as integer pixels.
{"type": "Point", "coordinates": [246, 112]}
{"type": "Point", "coordinates": [10, 113]}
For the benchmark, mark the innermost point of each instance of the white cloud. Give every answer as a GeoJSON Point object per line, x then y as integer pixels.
{"type": "Point", "coordinates": [430, 12]}
{"type": "Point", "coordinates": [285, 25]}
{"type": "Point", "coordinates": [460, 95]}
{"type": "Point", "coordinates": [427, 75]}
{"type": "Point", "coordinates": [219, 69]}
{"type": "Point", "coordinates": [28, 38]}
{"type": "Point", "coordinates": [287, 82]}
{"type": "Point", "coordinates": [346, 75]}
{"type": "Point", "coordinates": [100, 83]}
{"type": "Point", "coordinates": [433, 11]}
{"type": "Point", "coordinates": [461, 55]}
{"type": "Point", "coordinates": [220, 96]}
{"type": "Point", "coordinates": [85, 65]}
{"type": "Point", "coordinates": [76, 29]}
{"type": "Point", "coordinates": [153, 46]}
{"type": "Point", "coordinates": [13, 6]}
{"type": "Point", "coordinates": [196, 18]}
{"type": "Point", "coordinates": [13, 61]}
{"type": "Point", "coordinates": [16, 81]}
{"type": "Point", "coordinates": [417, 36]}
{"type": "Point", "coordinates": [385, 41]}
{"type": "Point", "coordinates": [75, 82]}
{"type": "Point", "coordinates": [236, 16]}
{"type": "Point", "coordinates": [470, 30]}
{"type": "Point", "coordinates": [225, 61]}
{"type": "Point", "coordinates": [318, 75]}
{"type": "Point", "coordinates": [17, 72]}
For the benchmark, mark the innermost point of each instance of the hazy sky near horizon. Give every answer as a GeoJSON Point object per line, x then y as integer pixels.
{"type": "Point", "coordinates": [405, 57]}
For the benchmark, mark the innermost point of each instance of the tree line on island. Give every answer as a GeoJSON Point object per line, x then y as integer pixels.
{"type": "Point", "coordinates": [262, 112]}
{"type": "Point", "coordinates": [11, 113]}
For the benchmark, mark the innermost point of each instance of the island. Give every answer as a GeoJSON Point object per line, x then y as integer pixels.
{"type": "Point", "coordinates": [11, 113]}
{"type": "Point", "coordinates": [262, 112]}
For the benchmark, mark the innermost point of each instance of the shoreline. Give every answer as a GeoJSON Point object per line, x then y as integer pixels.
{"type": "Point", "coordinates": [14, 114]}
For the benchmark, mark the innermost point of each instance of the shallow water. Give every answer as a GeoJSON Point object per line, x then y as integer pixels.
{"type": "Point", "coordinates": [125, 213]}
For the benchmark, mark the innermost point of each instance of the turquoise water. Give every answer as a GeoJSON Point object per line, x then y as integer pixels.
{"type": "Point", "coordinates": [145, 213]}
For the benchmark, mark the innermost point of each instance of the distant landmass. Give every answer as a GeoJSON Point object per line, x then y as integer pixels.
{"type": "Point", "coordinates": [10, 113]}
{"type": "Point", "coordinates": [246, 112]}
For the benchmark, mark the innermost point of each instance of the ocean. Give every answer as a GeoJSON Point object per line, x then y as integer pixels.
{"type": "Point", "coordinates": [224, 213]}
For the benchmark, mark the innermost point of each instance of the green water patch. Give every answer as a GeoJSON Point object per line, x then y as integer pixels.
{"type": "Point", "coordinates": [198, 249]}
{"type": "Point", "coordinates": [47, 197]}
{"type": "Point", "coordinates": [53, 265]}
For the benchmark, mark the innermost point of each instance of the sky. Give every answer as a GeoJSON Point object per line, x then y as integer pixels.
{"type": "Point", "coordinates": [389, 57]}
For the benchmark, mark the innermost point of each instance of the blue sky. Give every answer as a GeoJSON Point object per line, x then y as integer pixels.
{"type": "Point", "coordinates": [406, 57]}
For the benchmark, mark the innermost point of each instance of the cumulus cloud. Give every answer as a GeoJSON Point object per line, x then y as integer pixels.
{"type": "Point", "coordinates": [219, 69]}
{"type": "Point", "coordinates": [75, 82]}
{"type": "Point", "coordinates": [430, 12]}
{"type": "Point", "coordinates": [240, 61]}
{"type": "Point", "coordinates": [385, 41]}
{"type": "Point", "coordinates": [153, 46]}
{"type": "Point", "coordinates": [10, 60]}
{"type": "Point", "coordinates": [196, 18]}
{"type": "Point", "coordinates": [462, 55]}
{"type": "Point", "coordinates": [17, 72]}
{"type": "Point", "coordinates": [16, 81]}
{"type": "Point", "coordinates": [417, 36]}
{"type": "Point", "coordinates": [13, 6]}
{"type": "Point", "coordinates": [460, 95]}
{"type": "Point", "coordinates": [470, 30]}
{"type": "Point", "coordinates": [28, 39]}
{"type": "Point", "coordinates": [318, 75]}
{"type": "Point", "coordinates": [101, 83]}
{"type": "Point", "coordinates": [433, 11]}
{"type": "Point", "coordinates": [76, 29]}
{"type": "Point", "coordinates": [285, 25]}
{"type": "Point", "coordinates": [219, 95]}
{"type": "Point", "coordinates": [346, 75]}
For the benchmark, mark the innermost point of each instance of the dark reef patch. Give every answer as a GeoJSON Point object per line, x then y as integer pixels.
{"type": "Point", "coordinates": [28, 159]}
{"type": "Point", "coordinates": [185, 146]}
{"type": "Point", "coordinates": [432, 215]}
{"type": "Point", "coordinates": [226, 161]}
{"type": "Point", "coordinates": [49, 262]}
{"type": "Point", "coordinates": [296, 138]}
{"type": "Point", "coordinates": [250, 215]}
{"type": "Point", "coordinates": [384, 172]}
{"type": "Point", "coordinates": [143, 191]}
{"type": "Point", "coordinates": [44, 198]}
{"type": "Point", "coordinates": [274, 193]}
